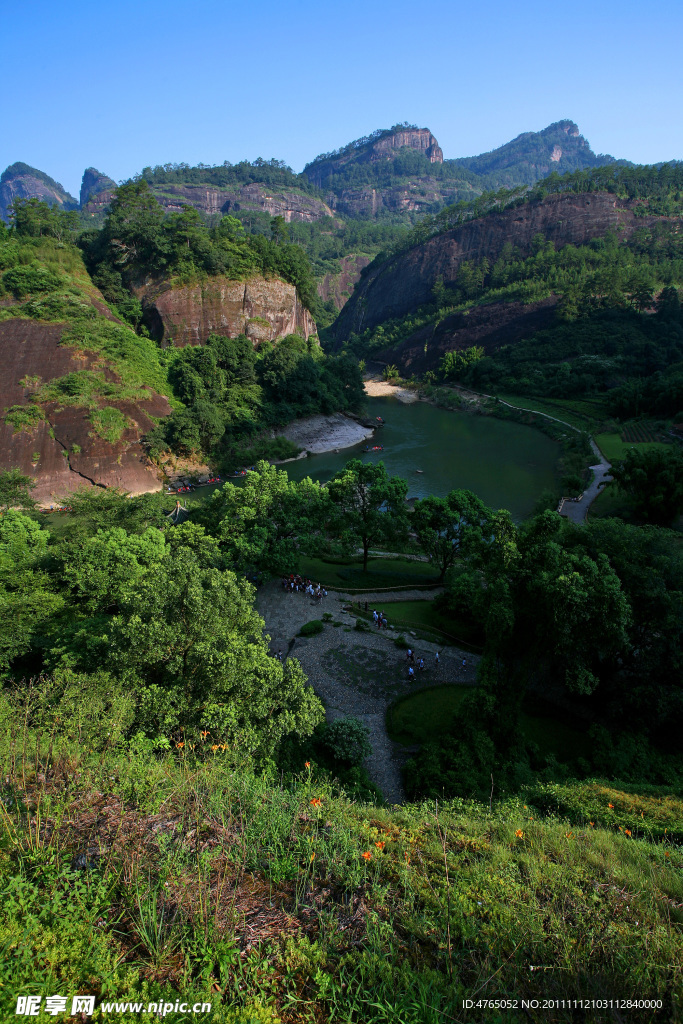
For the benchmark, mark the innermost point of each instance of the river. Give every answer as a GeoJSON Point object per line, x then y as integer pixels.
{"type": "Point", "coordinates": [506, 464]}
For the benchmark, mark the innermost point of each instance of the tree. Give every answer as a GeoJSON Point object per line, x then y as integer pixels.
{"type": "Point", "coordinates": [262, 523]}
{"type": "Point", "coordinates": [15, 490]}
{"type": "Point", "coordinates": [369, 506]}
{"type": "Point", "coordinates": [653, 479]}
{"type": "Point", "coordinates": [186, 642]}
{"type": "Point", "coordinates": [443, 525]}
{"type": "Point", "coordinates": [278, 229]}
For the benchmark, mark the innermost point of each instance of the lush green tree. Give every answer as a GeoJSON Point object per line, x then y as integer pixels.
{"type": "Point", "coordinates": [27, 596]}
{"type": "Point", "coordinates": [263, 522]}
{"type": "Point", "coordinates": [161, 614]}
{"type": "Point", "coordinates": [15, 490]}
{"type": "Point", "coordinates": [653, 479]}
{"type": "Point", "coordinates": [443, 525]}
{"type": "Point", "coordinates": [368, 506]}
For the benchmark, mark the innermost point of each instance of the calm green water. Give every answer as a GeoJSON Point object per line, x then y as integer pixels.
{"type": "Point", "coordinates": [508, 465]}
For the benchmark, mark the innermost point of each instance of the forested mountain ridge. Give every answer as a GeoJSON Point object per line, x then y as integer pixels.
{"type": "Point", "coordinates": [350, 203]}
{"type": "Point", "coordinates": [19, 181]}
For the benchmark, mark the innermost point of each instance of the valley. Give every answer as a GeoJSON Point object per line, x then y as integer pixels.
{"type": "Point", "coordinates": [362, 728]}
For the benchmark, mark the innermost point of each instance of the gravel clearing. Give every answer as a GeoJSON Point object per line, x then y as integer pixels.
{"type": "Point", "coordinates": [359, 673]}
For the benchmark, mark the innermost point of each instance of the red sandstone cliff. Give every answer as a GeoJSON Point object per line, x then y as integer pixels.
{"type": "Point", "coordinates": [262, 309]}
{"type": "Point", "coordinates": [399, 285]}
{"type": "Point", "coordinates": [62, 452]}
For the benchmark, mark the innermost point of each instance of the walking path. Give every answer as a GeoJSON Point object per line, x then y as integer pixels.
{"type": "Point", "coordinates": [576, 511]}
{"type": "Point", "coordinates": [358, 673]}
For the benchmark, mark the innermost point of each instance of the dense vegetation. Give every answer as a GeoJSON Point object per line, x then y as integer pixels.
{"type": "Point", "coordinates": [232, 393]}
{"type": "Point", "coordinates": [184, 780]}
{"type": "Point", "coordinates": [139, 241]}
{"type": "Point", "coordinates": [228, 397]}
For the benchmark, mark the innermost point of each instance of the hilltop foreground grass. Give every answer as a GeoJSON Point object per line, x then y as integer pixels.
{"type": "Point", "coordinates": [162, 876]}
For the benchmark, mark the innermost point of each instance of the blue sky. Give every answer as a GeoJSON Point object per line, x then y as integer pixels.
{"type": "Point", "coordinates": [125, 84]}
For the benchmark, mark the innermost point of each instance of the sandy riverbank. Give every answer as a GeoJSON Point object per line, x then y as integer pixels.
{"type": "Point", "coordinates": [384, 389]}
{"type": "Point", "coordinates": [317, 434]}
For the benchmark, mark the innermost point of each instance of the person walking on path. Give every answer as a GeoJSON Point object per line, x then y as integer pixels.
{"type": "Point", "coordinates": [437, 660]}
{"type": "Point", "coordinates": [411, 672]}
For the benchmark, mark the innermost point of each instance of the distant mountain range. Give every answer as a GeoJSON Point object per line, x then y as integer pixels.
{"type": "Point", "coordinates": [396, 172]}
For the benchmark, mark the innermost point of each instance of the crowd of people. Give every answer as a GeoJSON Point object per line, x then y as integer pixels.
{"type": "Point", "coordinates": [295, 584]}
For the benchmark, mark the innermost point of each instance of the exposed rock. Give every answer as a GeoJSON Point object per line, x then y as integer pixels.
{"type": "Point", "coordinates": [97, 190]}
{"type": "Point", "coordinates": [338, 287]}
{"type": "Point", "coordinates": [19, 181]}
{"type": "Point", "coordinates": [30, 348]}
{"type": "Point", "coordinates": [399, 285]}
{"type": "Point", "coordinates": [500, 323]}
{"type": "Point", "coordinates": [187, 314]}
{"type": "Point", "coordinates": [380, 146]}
{"type": "Point", "coordinates": [288, 203]}
{"type": "Point", "coordinates": [317, 434]}
{"type": "Point", "coordinates": [412, 138]}
{"type": "Point", "coordinates": [421, 194]}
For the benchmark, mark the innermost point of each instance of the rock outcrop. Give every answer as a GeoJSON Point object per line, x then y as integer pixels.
{"type": "Point", "coordinates": [97, 191]}
{"type": "Point", "coordinates": [378, 147]}
{"type": "Point", "coordinates": [61, 451]}
{"type": "Point", "coordinates": [400, 284]}
{"type": "Point", "coordinates": [262, 309]}
{"type": "Point", "coordinates": [208, 199]}
{"type": "Point", "coordinates": [338, 287]}
{"type": "Point", "coordinates": [19, 181]}
{"type": "Point", "coordinates": [500, 323]}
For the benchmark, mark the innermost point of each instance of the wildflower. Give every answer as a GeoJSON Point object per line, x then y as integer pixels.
{"type": "Point", "coordinates": [592, 824]}
{"type": "Point", "coordinates": [525, 807]}
{"type": "Point", "coordinates": [313, 856]}
{"type": "Point", "coordinates": [611, 806]}
{"type": "Point", "coordinates": [316, 801]}
{"type": "Point", "coordinates": [407, 858]}
{"type": "Point", "coordinates": [666, 853]}
{"type": "Point", "coordinates": [379, 845]}
{"type": "Point", "coordinates": [214, 747]}
{"type": "Point", "coordinates": [307, 764]}
{"type": "Point", "coordinates": [367, 855]}
{"type": "Point", "coordinates": [180, 745]}
{"type": "Point", "coordinates": [627, 831]}
{"type": "Point", "coordinates": [204, 733]}
{"type": "Point", "coordinates": [569, 835]}
{"type": "Point", "coordinates": [519, 833]}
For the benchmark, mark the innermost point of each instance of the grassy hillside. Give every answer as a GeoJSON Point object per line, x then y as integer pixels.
{"type": "Point", "coordinates": [180, 876]}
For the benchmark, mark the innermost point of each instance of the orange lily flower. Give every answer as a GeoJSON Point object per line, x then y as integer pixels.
{"type": "Point", "coordinates": [380, 845]}
{"type": "Point", "coordinates": [519, 833]}
{"type": "Point", "coordinates": [307, 764]}
{"type": "Point", "coordinates": [367, 855]}
{"type": "Point", "coordinates": [316, 801]}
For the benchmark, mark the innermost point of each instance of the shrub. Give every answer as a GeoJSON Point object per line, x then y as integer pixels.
{"type": "Point", "coordinates": [346, 740]}
{"type": "Point", "coordinates": [401, 642]}
{"type": "Point", "coordinates": [312, 628]}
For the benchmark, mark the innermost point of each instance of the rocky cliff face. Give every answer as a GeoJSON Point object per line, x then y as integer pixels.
{"type": "Point", "coordinates": [287, 203]}
{"type": "Point", "coordinates": [380, 146]}
{"type": "Point", "coordinates": [338, 287]}
{"type": "Point", "coordinates": [412, 138]}
{"type": "Point", "coordinates": [62, 452]}
{"type": "Point", "coordinates": [394, 288]}
{"type": "Point", "coordinates": [97, 191]}
{"type": "Point", "coordinates": [187, 314]}
{"type": "Point", "coordinates": [500, 323]}
{"type": "Point", "coordinates": [419, 195]}
{"type": "Point", "coordinates": [19, 181]}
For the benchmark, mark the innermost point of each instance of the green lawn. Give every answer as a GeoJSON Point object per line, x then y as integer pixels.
{"type": "Point", "coordinates": [428, 714]}
{"type": "Point", "coordinates": [381, 573]}
{"type": "Point", "coordinates": [424, 616]}
{"type": "Point", "coordinates": [613, 448]}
